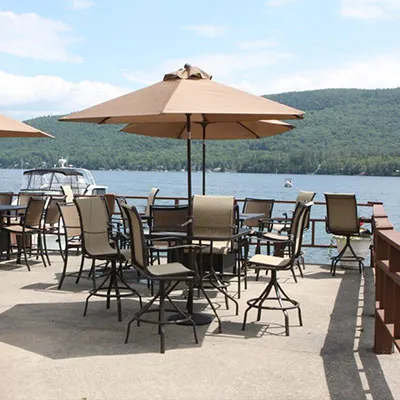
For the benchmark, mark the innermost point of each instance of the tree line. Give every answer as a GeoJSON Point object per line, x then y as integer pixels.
{"type": "Point", "coordinates": [345, 131]}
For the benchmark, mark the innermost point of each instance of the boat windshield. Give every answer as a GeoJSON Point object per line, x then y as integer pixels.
{"type": "Point", "coordinates": [48, 180]}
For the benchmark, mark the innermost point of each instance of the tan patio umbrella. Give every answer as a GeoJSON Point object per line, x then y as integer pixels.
{"type": "Point", "coordinates": [12, 128]}
{"type": "Point", "coordinates": [187, 95]}
{"type": "Point", "coordinates": [212, 130]}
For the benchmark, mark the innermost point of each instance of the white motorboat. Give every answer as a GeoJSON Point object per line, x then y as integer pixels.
{"type": "Point", "coordinates": [288, 182]}
{"type": "Point", "coordinates": [48, 181]}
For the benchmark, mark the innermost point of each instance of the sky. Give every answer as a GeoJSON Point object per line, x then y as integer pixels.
{"type": "Point", "coordinates": [60, 56]}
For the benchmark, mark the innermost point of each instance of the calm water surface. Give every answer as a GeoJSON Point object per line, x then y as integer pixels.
{"type": "Point", "coordinates": [366, 188]}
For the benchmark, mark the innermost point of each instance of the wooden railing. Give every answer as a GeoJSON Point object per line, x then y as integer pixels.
{"type": "Point", "coordinates": [387, 283]}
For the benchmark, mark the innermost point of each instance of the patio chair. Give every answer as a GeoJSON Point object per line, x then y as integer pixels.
{"type": "Point", "coordinates": [110, 201]}
{"type": "Point", "coordinates": [284, 226]}
{"type": "Point", "coordinates": [169, 220]}
{"type": "Point", "coordinates": [150, 200]}
{"type": "Point", "coordinates": [278, 240]}
{"type": "Point", "coordinates": [67, 191]}
{"type": "Point", "coordinates": [275, 264]}
{"type": "Point", "coordinates": [256, 206]}
{"type": "Point", "coordinates": [215, 224]}
{"type": "Point", "coordinates": [122, 223]}
{"type": "Point", "coordinates": [96, 245]}
{"type": "Point", "coordinates": [70, 239]}
{"type": "Point", "coordinates": [29, 225]}
{"type": "Point", "coordinates": [51, 221]}
{"type": "Point", "coordinates": [341, 219]}
{"type": "Point", "coordinates": [168, 275]}
{"type": "Point", "coordinates": [6, 197]}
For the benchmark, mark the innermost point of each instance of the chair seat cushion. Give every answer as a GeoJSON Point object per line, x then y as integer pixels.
{"type": "Point", "coordinates": [19, 229]}
{"type": "Point", "coordinates": [279, 227]}
{"type": "Point", "coordinates": [169, 270]}
{"type": "Point", "coordinates": [263, 261]}
{"type": "Point", "coordinates": [275, 237]}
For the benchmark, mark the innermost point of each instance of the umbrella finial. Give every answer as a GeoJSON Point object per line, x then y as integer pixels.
{"type": "Point", "coordinates": [187, 72]}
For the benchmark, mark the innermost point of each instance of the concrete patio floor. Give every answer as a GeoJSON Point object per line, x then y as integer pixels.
{"type": "Point", "coordinates": [48, 350]}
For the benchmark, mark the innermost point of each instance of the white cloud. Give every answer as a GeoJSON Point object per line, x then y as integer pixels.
{"type": "Point", "coordinates": [210, 31]}
{"type": "Point", "coordinates": [371, 73]}
{"type": "Point", "coordinates": [370, 9]}
{"type": "Point", "coordinates": [278, 3]}
{"type": "Point", "coordinates": [81, 4]}
{"type": "Point", "coordinates": [32, 36]}
{"type": "Point", "coordinates": [28, 97]}
{"type": "Point", "coordinates": [258, 44]}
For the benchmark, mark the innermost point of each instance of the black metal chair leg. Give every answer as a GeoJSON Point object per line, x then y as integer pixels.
{"type": "Point", "coordinates": [45, 248]}
{"type": "Point", "coordinates": [64, 271]}
{"type": "Point", "coordinates": [81, 269]}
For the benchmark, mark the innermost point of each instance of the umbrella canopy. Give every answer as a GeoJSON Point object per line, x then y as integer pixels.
{"type": "Point", "coordinates": [187, 95]}
{"type": "Point", "coordinates": [188, 91]}
{"type": "Point", "coordinates": [12, 128]}
{"type": "Point", "coordinates": [214, 131]}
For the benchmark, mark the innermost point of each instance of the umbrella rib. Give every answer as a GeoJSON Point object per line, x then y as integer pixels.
{"type": "Point", "coordinates": [104, 120]}
{"type": "Point", "coordinates": [245, 127]}
{"type": "Point", "coordinates": [183, 130]}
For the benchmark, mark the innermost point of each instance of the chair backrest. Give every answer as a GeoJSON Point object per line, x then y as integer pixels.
{"type": "Point", "coordinates": [52, 212]}
{"type": "Point", "coordinates": [139, 254]}
{"type": "Point", "coordinates": [110, 201]}
{"type": "Point", "coordinates": [6, 197]}
{"type": "Point", "coordinates": [94, 223]}
{"type": "Point", "coordinates": [150, 200]}
{"type": "Point", "coordinates": [121, 202]}
{"type": "Point", "coordinates": [23, 198]}
{"type": "Point", "coordinates": [67, 191]}
{"type": "Point", "coordinates": [305, 197]}
{"type": "Point", "coordinates": [70, 219]}
{"type": "Point", "coordinates": [168, 218]}
{"type": "Point", "coordinates": [213, 216]}
{"type": "Point", "coordinates": [34, 212]}
{"type": "Point", "coordinates": [341, 214]}
{"type": "Point", "coordinates": [298, 225]}
{"type": "Point", "coordinates": [257, 206]}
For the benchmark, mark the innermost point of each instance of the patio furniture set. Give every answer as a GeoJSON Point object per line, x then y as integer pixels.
{"type": "Point", "coordinates": [206, 249]}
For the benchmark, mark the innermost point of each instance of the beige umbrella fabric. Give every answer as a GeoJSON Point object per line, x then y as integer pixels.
{"type": "Point", "coordinates": [187, 95]}
{"type": "Point", "coordinates": [187, 91]}
{"type": "Point", "coordinates": [215, 131]}
{"type": "Point", "coordinates": [15, 129]}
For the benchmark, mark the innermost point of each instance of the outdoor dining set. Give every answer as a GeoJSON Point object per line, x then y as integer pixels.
{"type": "Point", "coordinates": [170, 248]}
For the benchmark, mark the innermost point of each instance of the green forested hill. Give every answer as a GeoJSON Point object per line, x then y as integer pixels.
{"type": "Point", "coordinates": [345, 131]}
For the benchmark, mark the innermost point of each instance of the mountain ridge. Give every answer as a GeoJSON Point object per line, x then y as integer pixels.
{"type": "Point", "coordinates": [345, 131]}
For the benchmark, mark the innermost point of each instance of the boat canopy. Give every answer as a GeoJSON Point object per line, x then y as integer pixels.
{"type": "Point", "coordinates": [51, 180]}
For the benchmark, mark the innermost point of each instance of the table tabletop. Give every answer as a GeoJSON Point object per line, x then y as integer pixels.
{"type": "Point", "coordinates": [247, 216]}
{"type": "Point", "coordinates": [11, 207]}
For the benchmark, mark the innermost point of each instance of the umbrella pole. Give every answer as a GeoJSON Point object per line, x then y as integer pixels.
{"type": "Point", "coordinates": [189, 174]}
{"type": "Point", "coordinates": [204, 125]}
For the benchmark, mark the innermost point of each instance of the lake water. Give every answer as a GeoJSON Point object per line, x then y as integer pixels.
{"type": "Point", "coordinates": [366, 188]}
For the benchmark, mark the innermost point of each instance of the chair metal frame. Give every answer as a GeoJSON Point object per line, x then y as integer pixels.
{"type": "Point", "coordinates": [348, 226]}
{"type": "Point", "coordinates": [31, 224]}
{"type": "Point", "coordinates": [275, 264]}
{"type": "Point", "coordinates": [94, 221]}
{"type": "Point", "coordinates": [166, 275]}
